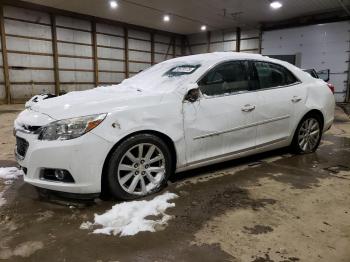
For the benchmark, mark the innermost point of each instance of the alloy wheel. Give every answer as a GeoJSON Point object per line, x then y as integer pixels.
{"type": "Point", "coordinates": [141, 169]}
{"type": "Point", "coordinates": [309, 134]}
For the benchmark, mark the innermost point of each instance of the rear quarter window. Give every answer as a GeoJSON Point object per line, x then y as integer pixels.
{"type": "Point", "coordinates": [273, 75]}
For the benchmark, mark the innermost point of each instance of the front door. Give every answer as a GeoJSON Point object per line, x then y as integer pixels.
{"type": "Point", "coordinates": [220, 122]}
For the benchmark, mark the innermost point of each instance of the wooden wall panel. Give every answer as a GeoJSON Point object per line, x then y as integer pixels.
{"type": "Point", "coordinates": [2, 78]}
{"type": "Point", "coordinates": [49, 52]}
{"type": "Point", "coordinates": [27, 29]}
{"type": "Point", "coordinates": [225, 41]}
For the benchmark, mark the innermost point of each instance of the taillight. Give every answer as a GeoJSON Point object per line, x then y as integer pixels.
{"type": "Point", "coordinates": [331, 87]}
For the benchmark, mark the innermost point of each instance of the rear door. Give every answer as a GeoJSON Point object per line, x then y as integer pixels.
{"type": "Point", "coordinates": [278, 93]}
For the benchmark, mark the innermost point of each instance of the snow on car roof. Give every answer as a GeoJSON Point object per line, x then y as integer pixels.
{"type": "Point", "coordinates": [217, 56]}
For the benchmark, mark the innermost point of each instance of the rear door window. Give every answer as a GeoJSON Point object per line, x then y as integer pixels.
{"type": "Point", "coordinates": [273, 75]}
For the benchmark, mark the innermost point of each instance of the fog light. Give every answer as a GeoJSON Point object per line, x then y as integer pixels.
{"type": "Point", "coordinates": [60, 174]}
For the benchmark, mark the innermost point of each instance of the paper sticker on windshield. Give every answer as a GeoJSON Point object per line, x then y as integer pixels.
{"type": "Point", "coordinates": [182, 70]}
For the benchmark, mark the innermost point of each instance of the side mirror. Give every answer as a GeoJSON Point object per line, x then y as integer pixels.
{"type": "Point", "coordinates": [192, 95]}
{"type": "Point", "coordinates": [324, 74]}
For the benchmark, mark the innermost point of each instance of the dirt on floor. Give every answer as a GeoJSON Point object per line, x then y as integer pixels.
{"type": "Point", "coordinates": [274, 206]}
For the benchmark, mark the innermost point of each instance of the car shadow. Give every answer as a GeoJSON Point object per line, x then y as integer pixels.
{"type": "Point", "coordinates": [70, 200]}
{"type": "Point", "coordinates": [252, 160]}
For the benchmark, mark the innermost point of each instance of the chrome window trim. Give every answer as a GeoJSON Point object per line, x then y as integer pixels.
{"type": "Point", "coordinates": [297, 78]}
{"type": "Point", "coordinates": [248, 91]}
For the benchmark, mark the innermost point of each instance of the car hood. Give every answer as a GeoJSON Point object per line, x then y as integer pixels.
{"type": "Point", "coordinates": [103, 99]}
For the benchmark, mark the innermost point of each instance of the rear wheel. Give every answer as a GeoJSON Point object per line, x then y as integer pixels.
{"type": "Point", "coordinates": [140, 165]}
{"type": "Point", "coordinates": [308, 134]}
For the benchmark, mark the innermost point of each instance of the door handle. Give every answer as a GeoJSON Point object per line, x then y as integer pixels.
{"type": "Point", "coordinates": [296, 99]}
{"type": "Point", "coordinates": [248, 108]}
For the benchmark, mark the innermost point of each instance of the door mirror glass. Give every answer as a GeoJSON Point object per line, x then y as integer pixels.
{"type": "Point", "coordinates": [324, 74]}
{"type": "Point", "coordinates": [192, 95]}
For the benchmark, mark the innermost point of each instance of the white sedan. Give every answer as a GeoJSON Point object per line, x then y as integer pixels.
{"type": "Point", "coordinates": [178, 115]}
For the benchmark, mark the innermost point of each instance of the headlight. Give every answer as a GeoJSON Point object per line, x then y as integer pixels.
{"type": "Point", "coordinates": [70, 128]}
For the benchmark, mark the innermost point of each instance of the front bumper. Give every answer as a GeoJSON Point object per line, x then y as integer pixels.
{"type": "Point", "coordinates": [83, 157]}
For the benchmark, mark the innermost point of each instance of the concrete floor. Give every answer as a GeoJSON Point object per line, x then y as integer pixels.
{"type": "Point", "coordinates": [271, 207]}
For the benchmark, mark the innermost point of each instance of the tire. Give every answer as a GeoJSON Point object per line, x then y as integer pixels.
{"type": "Point", "coordinates": [130, 176]}
{"type": "Point", "coordinates": [307, 136]}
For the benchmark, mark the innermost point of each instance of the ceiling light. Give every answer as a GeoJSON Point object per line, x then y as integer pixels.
{"type": "Point", "coordinates": [203, 27]}
{"type": "Point", "coordinates": [113, 4]}
{"type": "Point", "coordinates": [166, 18]}
{"type": "Point", "coordinates": [275, 5]}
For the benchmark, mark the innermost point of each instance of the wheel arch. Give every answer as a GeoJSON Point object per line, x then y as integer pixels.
{"type": "Point", "coordinates": [169, 142]}
{"type": "Point", "coordinates": [317, 113]}
{"type": "Point", "coordinates": [310, 112]}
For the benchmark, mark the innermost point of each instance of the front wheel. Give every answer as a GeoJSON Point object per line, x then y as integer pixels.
{"type": "Point", "coordinates": [140, 165]}
{"type": "Point", "coordinates": [308, 134]}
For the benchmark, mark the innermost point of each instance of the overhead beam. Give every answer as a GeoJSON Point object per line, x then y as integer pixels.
{"type": "Point", "coordinates": [4, 57]}
{"type": "Point", "coordinates": [346, 9]}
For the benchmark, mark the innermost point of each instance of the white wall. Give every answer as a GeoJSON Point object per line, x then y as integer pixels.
{"type": "Point", "coordinates": [321, 47]}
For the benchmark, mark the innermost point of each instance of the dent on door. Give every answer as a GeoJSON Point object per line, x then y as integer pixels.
{"type": "Point", "coordinates": [215, 127]}
{"type": "Point", "coordinates": [203, 122]}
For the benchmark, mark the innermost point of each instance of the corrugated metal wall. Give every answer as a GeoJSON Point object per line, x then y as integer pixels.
{"type": "Point", "coordinates": [48, 53]}
{"type": "Point", "coordinates": [224, 41]}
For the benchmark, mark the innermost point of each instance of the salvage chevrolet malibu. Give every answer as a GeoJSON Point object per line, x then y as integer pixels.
{"type": "Point", "coordinates": [177, 115]}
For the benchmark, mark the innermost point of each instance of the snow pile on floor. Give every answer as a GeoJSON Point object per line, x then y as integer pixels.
{"type": "Point", "coordinates": [10, 173]}
{"type": "Point", "coordinates": [130, 218]}
{"type": "Point", "coordinates": [2, 199]}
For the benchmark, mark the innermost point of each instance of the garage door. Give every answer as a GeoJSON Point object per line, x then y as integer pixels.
{"type": "Point", "coordinates": [323, 46]}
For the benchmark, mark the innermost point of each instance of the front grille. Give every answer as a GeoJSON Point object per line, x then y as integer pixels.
{"type": "Point", "coordinates": [30, 129]}
{"type": "Point", "coordinates": [21, 146]}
